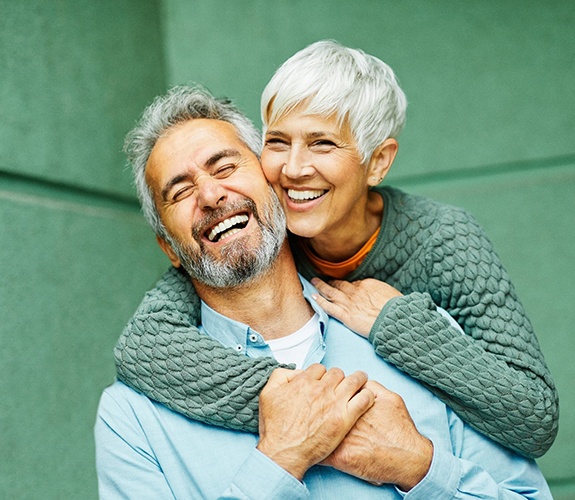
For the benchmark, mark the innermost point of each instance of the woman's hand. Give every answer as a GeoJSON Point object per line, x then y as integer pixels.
{"type": "Point", "coordinates": [356, 304]}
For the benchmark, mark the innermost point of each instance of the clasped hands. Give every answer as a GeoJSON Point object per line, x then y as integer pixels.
{"type": "Point", "coordinates": [356, 425]}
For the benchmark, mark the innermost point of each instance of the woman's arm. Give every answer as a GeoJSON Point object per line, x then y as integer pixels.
{"type": "Point", "coordinates": [163, 355]}
{"type": "Point", "coordinates": [496, 393]}
{"type": "Point", "coordinates": [495, 377]}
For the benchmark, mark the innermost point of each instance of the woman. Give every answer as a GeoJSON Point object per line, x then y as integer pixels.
{"type": "Point", "coordinates": [331, 117]}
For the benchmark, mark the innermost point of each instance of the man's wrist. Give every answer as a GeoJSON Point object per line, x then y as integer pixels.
{"type": "Point", "coordinates": [290, 462]}
{"type": "Point", "coordinates": [416, 467]}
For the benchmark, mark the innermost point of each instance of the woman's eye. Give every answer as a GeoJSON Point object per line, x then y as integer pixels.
{"type": "Point", "coordinates": [323, 144]}
{"type": "Point", "coordinates": [276, 143]}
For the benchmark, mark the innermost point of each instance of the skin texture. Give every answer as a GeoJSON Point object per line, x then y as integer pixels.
{"type": "Point", "coordinates": [197, 169]}
{"type": "Point", "coordinates": [384, 445]}
{"type": "Point", "coordinates": [188, 183]}
{"type": "Point", "coordinates": [356, 304]}
{"type": "Point", "coordinates": [305, 415]}
{"type": "Point", "coordinates": [312, 154]}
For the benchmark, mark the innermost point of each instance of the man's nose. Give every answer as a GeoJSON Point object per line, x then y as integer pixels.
{"type": "Point", "coordinates": [298, 163]}
{"type": "Point", "coordinates": [211, 194]}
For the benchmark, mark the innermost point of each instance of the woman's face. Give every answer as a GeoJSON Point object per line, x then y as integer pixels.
{"type": "Point", "coordinates": [315, 168]}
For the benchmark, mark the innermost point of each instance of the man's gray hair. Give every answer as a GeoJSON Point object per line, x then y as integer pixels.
{"type": "Point", "coordinates": [330, 79]}
{"type": "Point", "coordinates": [180, 104]}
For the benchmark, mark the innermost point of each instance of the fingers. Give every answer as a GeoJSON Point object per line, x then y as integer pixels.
{"type": "Point", "coordinates": [330, 308]}
{"type": "Point", "coordinates": [329, 291]}
{"type": "Point", "coordinates": [281, 376]}
{"type": "Point", "coordinates": [361, 402]}
{"type": "Point", "coordinates": [378, 389]}
{"type": "Point", "coordinates": [352, 383]}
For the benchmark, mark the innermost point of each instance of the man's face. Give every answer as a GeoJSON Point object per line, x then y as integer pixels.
{"type": "Point", "coordinates": [224, 222]}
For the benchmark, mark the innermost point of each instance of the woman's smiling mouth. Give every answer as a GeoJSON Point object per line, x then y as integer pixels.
{"type": "Point", "coordinates": [304, 195]}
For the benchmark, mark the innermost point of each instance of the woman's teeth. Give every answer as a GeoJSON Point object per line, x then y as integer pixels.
{"type": "Point", "coordinates": [311, 194]}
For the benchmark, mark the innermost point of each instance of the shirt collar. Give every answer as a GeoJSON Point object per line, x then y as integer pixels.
{"type": "Point", "coordinates": [237, 335]}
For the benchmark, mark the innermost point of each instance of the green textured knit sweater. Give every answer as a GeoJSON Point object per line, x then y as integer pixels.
{"type": "Point", "coordinates": [495, 377]}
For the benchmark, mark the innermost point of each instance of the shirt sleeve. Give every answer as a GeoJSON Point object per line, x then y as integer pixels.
{"type": "Point", "coordinates": [495, 376]}
{"type": "Point", "coordinates": [479, 468]}
{"type": "Point", "coordinates": [260, 478]}
{"type": "Point", "coordinates": [128, 467]}
{"type": "Point", "coordinates": [125, 464]}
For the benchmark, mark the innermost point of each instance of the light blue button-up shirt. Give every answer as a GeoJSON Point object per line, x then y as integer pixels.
{"type": "Point", "coordinates": [146, 451]}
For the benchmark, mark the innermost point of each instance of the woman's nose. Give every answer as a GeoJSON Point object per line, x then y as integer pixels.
{"type": "Point", "coordinates": [298, 164]}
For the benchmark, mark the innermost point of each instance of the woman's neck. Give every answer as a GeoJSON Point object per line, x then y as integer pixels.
{"type": "Point", "coordinates": [344, 242]}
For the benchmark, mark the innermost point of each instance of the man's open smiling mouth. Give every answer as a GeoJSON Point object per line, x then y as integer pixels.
{"type": "Point", "coordinates": [227, 227]}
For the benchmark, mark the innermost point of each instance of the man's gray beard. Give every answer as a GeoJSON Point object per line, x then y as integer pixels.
{"type": "Point", "coordinates": [238, 264]}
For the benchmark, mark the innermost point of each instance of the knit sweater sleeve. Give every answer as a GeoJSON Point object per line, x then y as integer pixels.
{"type": "Point", "coordinates": [495, 376]}
{"type": "Point", "coordinates": [162, 354]}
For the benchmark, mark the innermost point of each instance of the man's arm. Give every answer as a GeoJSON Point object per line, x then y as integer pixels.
{"type": "Point", "coordinates": [126, 466]}
{"type": "Point", "coordinates": [306, 415]}
{"type": "Point", "coordinates": [385, 447]}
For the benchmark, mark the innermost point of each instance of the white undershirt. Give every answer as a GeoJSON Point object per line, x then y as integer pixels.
{"type": "Point", "coordinates": [294, 348]}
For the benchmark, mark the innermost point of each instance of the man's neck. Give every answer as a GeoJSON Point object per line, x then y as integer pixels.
{"type": "Point", "coordinates": [272, 304]}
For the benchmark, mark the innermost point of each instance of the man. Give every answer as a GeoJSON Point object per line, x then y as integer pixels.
{"type": "Point", "coordinates": [322, 433]}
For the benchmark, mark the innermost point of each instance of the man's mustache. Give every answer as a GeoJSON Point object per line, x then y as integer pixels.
{"type": "Point", "coordinates": [206, 222]}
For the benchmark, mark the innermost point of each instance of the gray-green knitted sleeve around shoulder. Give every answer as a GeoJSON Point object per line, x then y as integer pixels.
{"type": "Point", "coordinates": [481, 388]}
{"type": "Point", "coordinates": [495, 377]}
{"type": "Point", "coordinates": [163, 355]}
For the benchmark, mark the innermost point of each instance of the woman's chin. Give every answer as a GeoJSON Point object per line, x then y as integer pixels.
{"type": "Point", "coordinates": [304, 230]}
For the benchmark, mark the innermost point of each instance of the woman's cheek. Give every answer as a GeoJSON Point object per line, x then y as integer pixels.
{"type": "Point", "coordinates": [271, 167]}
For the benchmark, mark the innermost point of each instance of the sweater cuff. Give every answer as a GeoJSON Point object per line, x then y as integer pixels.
{"type": "Point", "coordinates": [399, 307]}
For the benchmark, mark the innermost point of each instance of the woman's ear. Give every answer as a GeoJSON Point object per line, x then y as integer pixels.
{"type": "Point", "coordinates": [169, 251]}
{"type": "Point", "coordinates": [381, 161]}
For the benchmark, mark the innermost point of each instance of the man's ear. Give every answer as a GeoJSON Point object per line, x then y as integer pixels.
{"type": "Point", "coordinates": [381, 161]}
{"type": "Point", "coordinates": [169, 251]}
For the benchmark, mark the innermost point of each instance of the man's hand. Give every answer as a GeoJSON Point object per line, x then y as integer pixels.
{"type": "Point", "coordinates": [356, 304]}
{"type": "Point", "coordinates": [304, 415]}
{"type": "Point", "coordinates": [384, 446]}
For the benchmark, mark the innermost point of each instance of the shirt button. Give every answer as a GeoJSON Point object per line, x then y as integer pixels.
{"type": "Point", "coordinates": [253, 338]}
{"type": "Point", "coordinates": [239, 348]}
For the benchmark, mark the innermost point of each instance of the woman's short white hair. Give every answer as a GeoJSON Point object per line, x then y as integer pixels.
{"type": "Point", "coordinates": [330, 79]}
{"type": "Point", "coordinates": [180, 104]}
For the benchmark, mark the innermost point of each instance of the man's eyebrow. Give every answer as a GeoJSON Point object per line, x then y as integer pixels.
{"type": "Point", "coordinates": [171, 183]}
{"type": "Point", "coordinates": [216, 157]}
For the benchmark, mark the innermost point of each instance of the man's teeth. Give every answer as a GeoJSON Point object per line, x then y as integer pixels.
{"type": "Point", "coordinates": [304, 195]}
{"type": "Point", "coordinates": [225, 225]}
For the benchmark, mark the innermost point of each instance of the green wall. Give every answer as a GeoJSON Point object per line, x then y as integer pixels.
{"type": "Point", "coordinates": [75, 254]}
{"type": "Point", "coordinates": [491, 127]}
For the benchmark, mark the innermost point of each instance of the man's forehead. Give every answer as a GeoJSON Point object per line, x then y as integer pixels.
{"type": "Point", "coordinates": [195, 132]}
{"type": "Point", "coordinates": [198, 139]}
